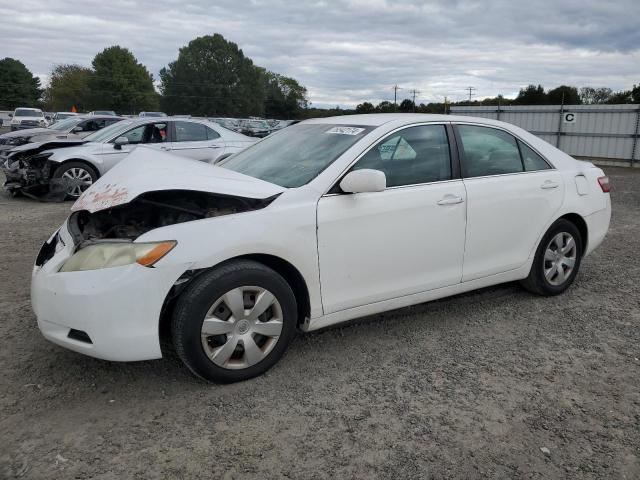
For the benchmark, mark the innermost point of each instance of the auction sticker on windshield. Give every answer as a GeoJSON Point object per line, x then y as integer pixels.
{"type": "Point", "coordinates": [345, 130]}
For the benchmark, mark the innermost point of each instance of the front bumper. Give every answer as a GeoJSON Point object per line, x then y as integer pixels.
{"type": "Point", "coordinates": [118, 308]}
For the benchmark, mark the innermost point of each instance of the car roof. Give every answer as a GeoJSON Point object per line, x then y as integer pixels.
{"type": "Point", "coordinates": [378, 119]}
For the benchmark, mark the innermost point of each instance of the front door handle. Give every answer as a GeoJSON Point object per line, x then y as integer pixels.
{"type": "Point", "coordinates": [549, 184]}
{"type": "Point", "coordinates": [165, 148]}
{"type": "Point", "coordinates": [450, 200]}
{"type": "Point", "coordinates": [216, 146]}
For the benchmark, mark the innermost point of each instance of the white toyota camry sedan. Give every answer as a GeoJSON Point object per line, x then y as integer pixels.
{"type": "Point", "coordinates": [325, 221]}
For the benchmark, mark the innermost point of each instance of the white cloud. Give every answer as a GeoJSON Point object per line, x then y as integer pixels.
{"type": "Point", "coordinates": [351, 51]}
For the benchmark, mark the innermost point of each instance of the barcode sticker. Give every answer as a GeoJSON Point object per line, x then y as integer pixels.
{"type": "Point", "coordinates": [345, 130]}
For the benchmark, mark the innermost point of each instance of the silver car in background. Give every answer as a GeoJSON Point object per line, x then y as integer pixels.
{"type": "Point", "coordinates": [67, 168]}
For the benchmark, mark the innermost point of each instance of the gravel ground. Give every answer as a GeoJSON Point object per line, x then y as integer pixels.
{"type": "Point", "coordinates": [495, 383]}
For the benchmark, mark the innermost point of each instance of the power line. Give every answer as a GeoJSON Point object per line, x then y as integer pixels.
{"type": "Point", "coordinates": [471, 90]}
{"type": "Point", "coordinates": [414, 92]}
{"type": "Point", "coordinates": [395, 95]}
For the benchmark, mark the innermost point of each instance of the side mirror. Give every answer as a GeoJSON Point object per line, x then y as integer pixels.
{"type": "Point", "coordinates": [11, 115]}
{"type": "Point", "coordinates": [119, 142]}
{"type": "Point", "coordinates": [78, 130]}
{"type": "Point", "coordinates": [365, 180]}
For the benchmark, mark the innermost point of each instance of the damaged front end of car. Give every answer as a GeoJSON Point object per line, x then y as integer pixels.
{"type": "Point", "coordinates": [30, 172]}
{"type": "Point", "coordinates": [152, 210]}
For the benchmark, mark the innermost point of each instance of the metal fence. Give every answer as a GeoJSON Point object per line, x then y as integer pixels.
{"type": "Point", "coordinates": [607, 134]}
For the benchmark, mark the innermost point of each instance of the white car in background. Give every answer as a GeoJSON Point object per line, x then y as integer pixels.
{"type": "Point", "coordinates": [27, 118]}
{"type": "Point", "coordinates": [325, 221]}
{"type": "Point", "coordinates": [78, 164]}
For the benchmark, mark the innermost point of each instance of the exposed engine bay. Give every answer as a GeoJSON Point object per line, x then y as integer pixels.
{"type": "Point", "coordinates": [30, 172]}
{"type": "Point", "coordinates": [153, 210]}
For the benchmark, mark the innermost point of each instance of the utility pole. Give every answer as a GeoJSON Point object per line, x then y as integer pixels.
{"type": "Point", "coordinates": [471, 90]}
{"type": "Point", "coordinates": [414, 92]}
{"type": "Point", "coordinates": [395, 96]}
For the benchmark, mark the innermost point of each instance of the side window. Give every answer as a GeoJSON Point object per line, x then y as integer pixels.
{"type": "Point", "coordinates": [89, 126]}
{"type": "Point", "coordinates": [411, 156]}
{"type": "Point", "coordinates": [190, 132]}
{"type": "Point", "coordinates": [134, 135]}
{"type": "Point", "coordinates": [151, 133]}
{"type": "Point", "coordinates": [488, 151]}
{"type": "Point", "coordinates": [212, 134]}
{"type": "Point", "coordinates": [111, 122]}
{"type": "Point", "coordinates": [532, 161]}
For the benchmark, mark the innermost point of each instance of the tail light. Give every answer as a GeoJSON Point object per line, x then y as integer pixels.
{"type": "Point", "coordinates": [604, 184]}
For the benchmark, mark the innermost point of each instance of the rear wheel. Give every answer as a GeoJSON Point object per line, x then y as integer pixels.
{"type": "Point", "coordinates": [77, 176]}
{"type": "Point", "coordinates": [234, 322]}
{"type": "Point", "coordinates": [557, 260]}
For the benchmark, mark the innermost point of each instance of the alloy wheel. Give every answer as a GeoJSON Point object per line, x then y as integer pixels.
{"type": "Point", "coordinates": [560, 258]}
{"type": "Point", "coordinates": [78, 180]}
{"type": "Point", "coordinates": [242, 327]}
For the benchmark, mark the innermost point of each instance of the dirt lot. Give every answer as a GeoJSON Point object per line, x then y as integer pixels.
{"type": "Point", "coordinates": [472, 386]}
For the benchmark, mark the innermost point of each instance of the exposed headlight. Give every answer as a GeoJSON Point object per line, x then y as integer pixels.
{"type": "Point", "coordinates": [17, 141]}
{"type": "Point", "coordinates": [42, 122]}
{"type": "Point", "coordinates": [105, 255]}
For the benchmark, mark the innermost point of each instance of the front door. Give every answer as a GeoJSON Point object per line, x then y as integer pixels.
{"type": "Point", "coordinates": [404, 240]}
{"type": "Point", "coordinates": [150, 134]}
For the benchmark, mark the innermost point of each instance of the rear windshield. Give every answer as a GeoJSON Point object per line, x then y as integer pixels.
{"type": "Point", "coordinates": [296, 155]}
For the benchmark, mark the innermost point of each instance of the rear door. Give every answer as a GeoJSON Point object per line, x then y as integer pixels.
{"type": "Point", "coordinates": [197, 141]}
{"type": "Point", "coordinates": [512, 195]}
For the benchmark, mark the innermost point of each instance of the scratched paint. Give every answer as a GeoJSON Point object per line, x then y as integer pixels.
{"type": "Point", "coordinates": [98, 199]}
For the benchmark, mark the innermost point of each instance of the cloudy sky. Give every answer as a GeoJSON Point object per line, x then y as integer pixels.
{"type": "Point", "coordinates": [350, 51]}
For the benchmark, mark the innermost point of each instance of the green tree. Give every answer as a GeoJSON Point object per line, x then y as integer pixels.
{"type": "Point", "coordinates": [284, 96]}
{"type": "Point", "coordinates": [564, 94]}
{"type": "Point", "coordinates": [624, 96]}
{"type": "Point", "coordinates": [212, 77]}
{"type": "Point", "coordinates": [365, 107]}
{"type": "Point", "coordinates": [635, 93]}
{"type": "Point", "coordinates": [119, 82]}
{"type": "Point", "coordinates": [591, 96]}
{"type": "Point", "coordinates": [531, 95]}
{"type": "Point", "coordinates": [386, 107]}
{"type": "Point", "coordinates": [68, 87]}
{"type": "Point", "coordinates": [406, 106]}
{"type": "Point", "coordinates": [18, 86]}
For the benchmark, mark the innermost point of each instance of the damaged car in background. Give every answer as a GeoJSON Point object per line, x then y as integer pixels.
{"type": "Point", "coordinates": [325, 221]}
{"type": "Point", "coordinates": [64, 168]}
{"type": "Point", "coordinates": [75, 128]}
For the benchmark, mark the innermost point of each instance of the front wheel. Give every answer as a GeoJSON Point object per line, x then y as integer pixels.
{"type": "Point", "coordinates": [77, 177]}
{"type": "Point", "coordinates": [557, 260]}
{"type": "Point", "coordinates": [234, 322]}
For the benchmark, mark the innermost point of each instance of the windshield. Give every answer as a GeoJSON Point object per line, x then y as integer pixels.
{"type": "Point", "coordinates": [28, 112]}
{"type": "Point", "coordinates": [295, 156]}
{"type": "Point", "coordinates": [67, 124]}
{"type": "Point", "coordinates": [107, 132]}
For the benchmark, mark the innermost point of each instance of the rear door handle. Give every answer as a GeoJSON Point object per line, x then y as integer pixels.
{"type": "Point", "coordinates": [216, 146]}
{"type": "Point", "coordinates": [549, 184]}
{"type": "Point", "coordinates": [165, 148]}
{"type": "Point", "coordinates": [450, 200]}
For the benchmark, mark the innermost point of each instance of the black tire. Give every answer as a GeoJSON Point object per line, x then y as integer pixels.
{"type": "Point", "coordinates": [537, 282]}
{"type": "Point", "coordinates": [70, 166]}
{"type": "Point", "coordinates": [194, 303]}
